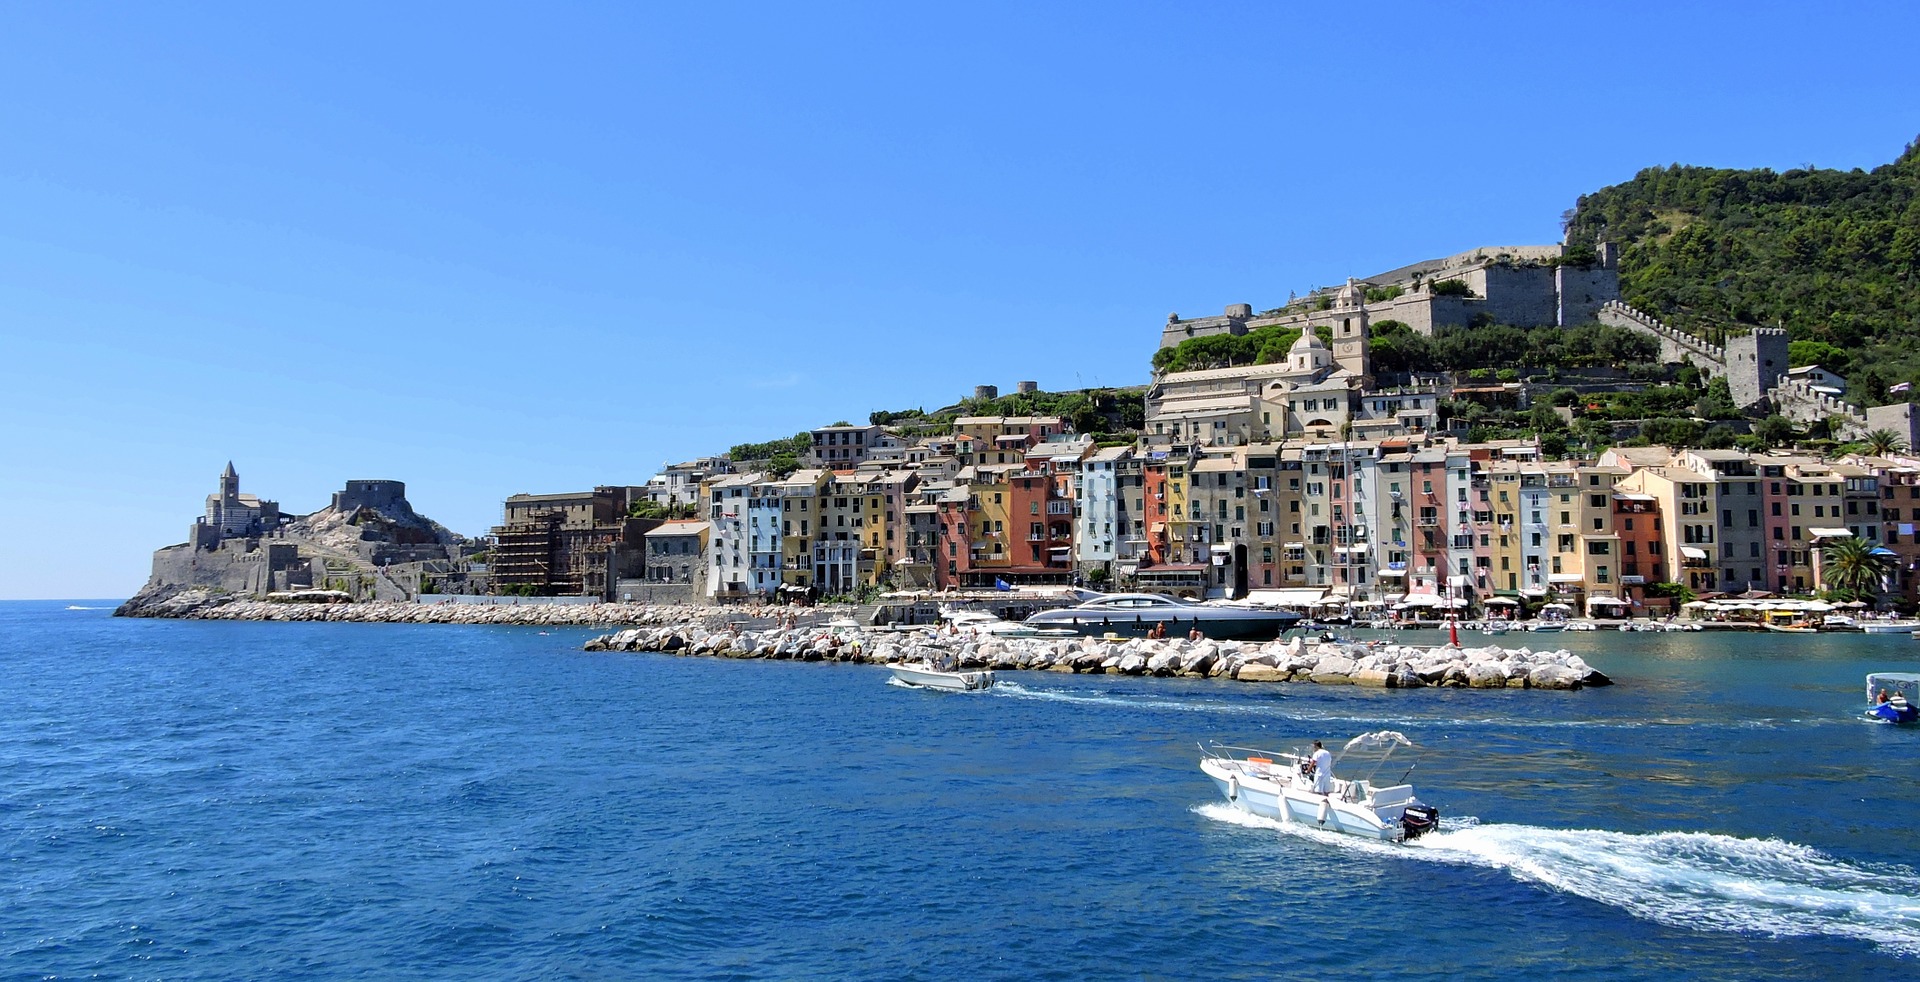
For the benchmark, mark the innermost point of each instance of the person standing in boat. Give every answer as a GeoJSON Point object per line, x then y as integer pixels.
{"type": "Point", "coordinates": [1322, 769]}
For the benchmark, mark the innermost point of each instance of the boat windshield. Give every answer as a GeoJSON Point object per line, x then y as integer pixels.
{"type": "Point", "coordinates": [1133, 600]}
{"type": "Point", "coordinates": [1907, 684]}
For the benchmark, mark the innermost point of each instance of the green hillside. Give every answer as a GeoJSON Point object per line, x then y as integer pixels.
{"type": "Point", "coordinates": [1831, 255]}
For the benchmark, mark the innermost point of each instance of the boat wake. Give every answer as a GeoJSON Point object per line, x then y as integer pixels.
{"type": "Point", "coordinates": [79, 607]}
{"type": "Point", "coordinates": [1682, 879]}
{"type": "Point", "coordinates": [1301, 712]}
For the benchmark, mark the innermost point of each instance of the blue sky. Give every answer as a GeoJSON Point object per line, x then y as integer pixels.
{"type": "Point", "coordinates": [487, 249]}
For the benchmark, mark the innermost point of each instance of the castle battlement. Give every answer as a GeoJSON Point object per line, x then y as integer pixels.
{"type": "Point", "coordinates": [1705, 349]}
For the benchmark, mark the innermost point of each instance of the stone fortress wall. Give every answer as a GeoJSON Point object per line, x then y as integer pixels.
{"type": "Point", "coordinates": [1797, 400]}
{"type": "Point", "coordinates": [1518, 285]}
{"type": "Point", "coordinates": [1523, 286]}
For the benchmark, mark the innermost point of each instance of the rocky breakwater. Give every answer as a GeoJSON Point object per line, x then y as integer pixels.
{"type": "Point", "coordinates": [1293, 660]}
{"type": "Point", "coordinates": [209, 605]}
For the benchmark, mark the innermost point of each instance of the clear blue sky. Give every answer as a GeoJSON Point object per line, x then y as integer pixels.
{"type": "Point", "coordinates": [487, 249]}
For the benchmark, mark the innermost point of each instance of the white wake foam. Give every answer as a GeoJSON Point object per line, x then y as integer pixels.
{"type": "Point", "coordinates": [1303, 711]}
{"type": "Point", "coordinates": [1684, 879]}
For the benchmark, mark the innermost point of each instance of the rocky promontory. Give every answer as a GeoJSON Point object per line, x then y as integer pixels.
{"type": "Point", "coordinates": [194, 603]}
{"type": "Point", "coordinates": [1380, 664]}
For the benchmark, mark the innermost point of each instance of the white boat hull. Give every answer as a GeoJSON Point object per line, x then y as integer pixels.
{"type": "Point", "coordinates": [1888, 627]}
{"type": "Point", "coordinates": [1271, 792]}
{"type": "Point", "coordinates": [928, 677]}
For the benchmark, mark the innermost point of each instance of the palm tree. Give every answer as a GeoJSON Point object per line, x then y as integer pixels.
{"type": "Point", "coordinates": [1883, 443]}
{"type": "Point", "coordinates": [1852, 563]}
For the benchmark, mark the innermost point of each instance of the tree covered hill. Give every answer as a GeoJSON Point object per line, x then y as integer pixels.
{"type": "Point", "coordinates": [1834, 256]}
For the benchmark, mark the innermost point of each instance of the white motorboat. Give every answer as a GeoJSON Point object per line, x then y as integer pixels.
{"type": "Point", "coordinates": [1150, 614]}
{"type": "Point", "coordinates": [1888, 627]}
{"type": "Point", "coordinates": [982, 622]}
{"type": "Point", "coordinates": [1279, 786]}
{"type": "Point", "coordinates": [928, 676]}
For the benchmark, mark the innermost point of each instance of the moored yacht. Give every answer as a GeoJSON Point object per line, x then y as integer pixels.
{"type": "Point", "coordinates": [1150, 615]}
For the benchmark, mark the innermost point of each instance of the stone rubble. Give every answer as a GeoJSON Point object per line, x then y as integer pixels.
{"type": "Point", "coordinates": [698, 630]}
{"type": "Point", "coordinates": [1383, 665]}
{"type": "Point", "coordinates": [209, 605]}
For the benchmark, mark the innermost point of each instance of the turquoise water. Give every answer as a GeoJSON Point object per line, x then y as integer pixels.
{"type": "Point", "coordinates": [234, 800]}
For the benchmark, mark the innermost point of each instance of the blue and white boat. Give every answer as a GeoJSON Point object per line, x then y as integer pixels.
{"type": "Point", "coordinates": [1149, 614]}
{"type": "Point", "coordinates": [1893, 697]}
{"type": "Point", "coordinates": [1281, 786]}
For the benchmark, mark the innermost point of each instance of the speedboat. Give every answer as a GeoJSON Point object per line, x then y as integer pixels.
{"type": "Point", "coordinates": [1150, 614]}
{"type": "Point", "coordinates": [1893, 697]}
{"type": "Point", "coordinates": [1545, 625]}
{"type": "Point", "coordinates": [1280, 786]}
{"type": "Point", "coordinates": [926, 675]}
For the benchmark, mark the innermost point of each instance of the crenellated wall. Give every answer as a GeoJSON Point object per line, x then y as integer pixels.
{"type": "Point", "coordinates": [1675, 345]}
{"type": "Point", "coordinates": [1802, 403]}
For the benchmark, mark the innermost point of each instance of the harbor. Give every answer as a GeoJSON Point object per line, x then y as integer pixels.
{"type": "Point", "coordinates": [445, 800]}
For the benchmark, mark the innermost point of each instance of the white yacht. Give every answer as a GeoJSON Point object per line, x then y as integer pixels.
{"type": "Point", "coordinates": [1148, 614]}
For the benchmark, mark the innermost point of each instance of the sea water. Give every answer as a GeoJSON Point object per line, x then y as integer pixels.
{"type": "Point", "coordinates": [189, 800]}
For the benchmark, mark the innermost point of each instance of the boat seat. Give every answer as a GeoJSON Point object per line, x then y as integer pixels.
{"type": "Point", "coordinates": [1398, 794]}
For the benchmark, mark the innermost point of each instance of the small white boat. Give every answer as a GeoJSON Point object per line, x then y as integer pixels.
{"type": "Point", "coordinates": [1888, 627]}
{"type": "Point", "coordinates": [1279, 786]}
{"type": "Point", "coordinates": [982, 622]}
{"type": "Point", "coordinates": [1543, 626]}
{"type": "Point", "coordinates": [927, 676]}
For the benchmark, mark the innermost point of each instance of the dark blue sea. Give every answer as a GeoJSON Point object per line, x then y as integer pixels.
{"type": "Point", "coordinates": [199, 800]}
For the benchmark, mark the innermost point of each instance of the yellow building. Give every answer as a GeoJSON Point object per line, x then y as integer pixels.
{"type": "Point", "coordinates": [990, 545]}
{"type": "Point", "coordinates": [1597, 541]}
{"type": "Point", "coordinates": [799, 497]}
{"type": "Point", "coordinates": [1183, 527]}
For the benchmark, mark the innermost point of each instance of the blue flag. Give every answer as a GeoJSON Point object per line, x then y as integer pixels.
{"type": "Point", "coordinates": [1000, 584]}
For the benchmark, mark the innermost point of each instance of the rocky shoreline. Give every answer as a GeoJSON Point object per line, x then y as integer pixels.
{"type": "Point", "coordinates": [208, 605]}
{"type": "Point", "coordinates": [1379, 664]}
{"type": "Point", "coordinates": [731, 633]}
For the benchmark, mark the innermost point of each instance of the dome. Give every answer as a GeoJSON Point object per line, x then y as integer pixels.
{"type": "Point", "coordinates": [1308, 341]}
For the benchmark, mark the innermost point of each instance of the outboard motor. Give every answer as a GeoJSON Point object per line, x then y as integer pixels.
{"type": "Point", "coordinates": [1417, 821]}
